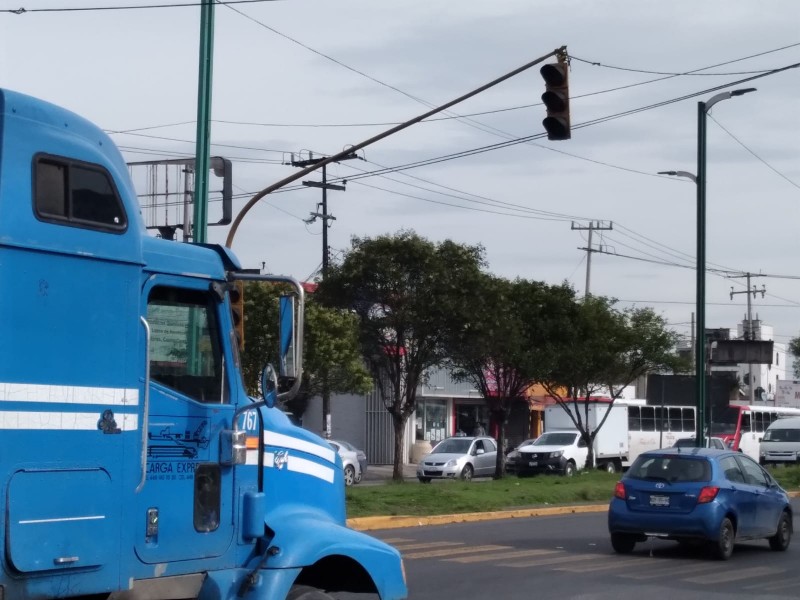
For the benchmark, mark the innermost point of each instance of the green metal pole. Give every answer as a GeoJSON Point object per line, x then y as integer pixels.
{"type": "Point", "coordinates": [700, 355]}
{"type": "Point", "coordinates": [202, 150]}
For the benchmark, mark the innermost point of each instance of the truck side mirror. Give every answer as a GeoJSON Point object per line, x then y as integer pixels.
{"type": "Point", "coordinates": [286, 337]}
{"type": "Point", "coordinates": [269, 385]}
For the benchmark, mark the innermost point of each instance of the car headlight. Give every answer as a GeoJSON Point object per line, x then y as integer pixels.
{"type": "Point", "coordinates": [451, 463]}
{"type": "Point", "coordinates": [556, 454]}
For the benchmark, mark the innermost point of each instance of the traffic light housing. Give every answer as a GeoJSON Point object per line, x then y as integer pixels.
{"type": "Point", "coordinates": [556, 100]}
{"type": "Point", "coordinates": [236, 296]}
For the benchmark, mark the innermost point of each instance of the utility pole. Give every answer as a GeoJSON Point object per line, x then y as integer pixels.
{"type": "Point", "coordinates": [593, 226]}
{"type": "Point", "coordinates": [748, 328]}
{"type": "Point", "coordinates": [322, 213]}
{"type": "Point", "coordinates": [202, 150]}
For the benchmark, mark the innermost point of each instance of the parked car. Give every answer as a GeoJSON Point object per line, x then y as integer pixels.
{"type": "Point", "coordinates": [714, 496]}
{"type": "Point", "coordinates": [362, 458]}
{"type": "Point", "coordinates": [459, 457]}
{"type": "Point", "coordinates": [561, 452]}
{"type": "Point", "coordinates": [513, 456]}
{"type": "Point", "coordinates": [350, 464]}
{"type": "Point", "coordinates": [711, 442]}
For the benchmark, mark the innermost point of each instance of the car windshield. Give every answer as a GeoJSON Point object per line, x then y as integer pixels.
{"type": "Point", "coordinates": [670, 468]}
{"type": "Point", "coordinates": [453, 446]}
{"type": "Point", "coordinates": [781, 435]}
{"type": "Point", "coordinates": [555, 439]}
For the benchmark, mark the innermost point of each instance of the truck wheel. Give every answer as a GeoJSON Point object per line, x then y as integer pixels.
{"type": "Point", "coordinates": [466, 473]}
{"type": "Point", "coordinates": [611, 467]}
{"type": "Point", "coordinates": [349, 475]}
{"type": "Point", "coordinates": [569, 469]}
{"type": "Point", "coordinates": [304, 592]}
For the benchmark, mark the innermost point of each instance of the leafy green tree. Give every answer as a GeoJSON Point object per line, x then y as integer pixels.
{"type": "Point", "coordinates": [498, 348]}
{"type": "Point", "coordinates": [407, 292]}
{"type": "Point", "coordinates": [602, 348]}
{"type": "Point", "coordinates": [330, 344]}
{"type": "Point", "coordinates": [794, 350]}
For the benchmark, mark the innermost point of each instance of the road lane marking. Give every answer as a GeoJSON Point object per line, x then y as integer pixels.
{"type": "Point", "coordinates": [500, 556]}
{"type": "Point", "coordinates": [614, 563]}
{"type": "Point", "coordinates": [404, 547]}
{"type": "Point", "coordinates": [732, 575]}
{"type": "Point", "coordinates": [454, 551]}
{"type": "Point", "coordinates": [396, 540]}
{"type": "Point", "coordinates": [671, 571]}
{"type": "Point", "coordinates": [771, 587]}
{"type": "Point", "coordinates": [555, 560]}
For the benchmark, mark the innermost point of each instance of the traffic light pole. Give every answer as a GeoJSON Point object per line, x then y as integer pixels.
{"type": "Point", "coordinates": [203, 148]}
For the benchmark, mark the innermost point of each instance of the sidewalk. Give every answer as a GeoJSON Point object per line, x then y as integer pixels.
{"type": "Point", "coordinates": [383, 473]}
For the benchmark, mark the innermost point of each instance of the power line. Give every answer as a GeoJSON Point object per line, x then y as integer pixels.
{"type": "Point", "coordinates": [22, 11]}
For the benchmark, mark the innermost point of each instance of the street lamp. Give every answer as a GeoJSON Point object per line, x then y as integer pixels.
{"type": "Point", "coordinates": [703, 109]}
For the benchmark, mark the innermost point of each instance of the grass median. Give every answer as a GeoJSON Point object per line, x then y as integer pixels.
{"type": "Point", "coordinates": [509, 493]}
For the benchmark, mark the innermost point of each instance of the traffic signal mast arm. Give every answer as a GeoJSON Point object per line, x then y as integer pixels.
{"type": "Point", "coordinates": [350, 149]}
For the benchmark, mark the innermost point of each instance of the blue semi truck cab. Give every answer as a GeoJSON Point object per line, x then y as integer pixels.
{"type": "Point", "coordinates": [134, 464]}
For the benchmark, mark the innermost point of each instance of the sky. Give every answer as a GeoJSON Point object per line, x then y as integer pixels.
{"type": "Point", "coordinates": [300, 76]}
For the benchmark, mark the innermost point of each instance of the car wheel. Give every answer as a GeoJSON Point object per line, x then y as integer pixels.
{"type": "Point", "coordinates": [780, 541]}
{"type": "Point", "coordinates": [623, 543]}
{"type": "Point", "coordinates": [424, 479]}
{"type": "Point", "coordinates": [349, 475]}
{"type": "Point", "coordinates": [724, 545]}
{"type": "Point", "coordinates": [569, 469]}
{"type": "Point", "coordinates": [466, 473]}
{"type": "Point", "coordinates": [358, 478]}
{"type": "Point", "coordinates": [304, 592]}
{"type": "Point", "coordinates": [610, 467]}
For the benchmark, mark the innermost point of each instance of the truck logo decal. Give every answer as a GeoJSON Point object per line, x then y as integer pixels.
{"type": "Point", "coordinates": [168, 444]}
{"type": "Point", "coordinates": [296, 464]}
{"type": "Point", "coordinates": [281, 458]}
{"type": "Point", "coordinates": [272, 438]}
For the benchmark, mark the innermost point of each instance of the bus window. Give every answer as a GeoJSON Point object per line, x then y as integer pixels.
{"type": "Point", "coordinates": [688, 419]}
{"type": "Point", "coordinates": [634, 419]}
{"type": "Point", "coordinates": [648, 419]}
{"type": "Point", "coordinates": [746, 422]}
{"type": "Point", "coordinates": [659, 420]}
{"type": "Point", "coordinates": [675, 419]}
{"type": "Point", "coordinates": [758, 422]}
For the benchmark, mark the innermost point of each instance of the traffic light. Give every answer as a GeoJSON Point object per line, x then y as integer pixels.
{"type": "Point", "coordinates": [236, 295]}
{"type": "Point", "coordinates": [556, 100]}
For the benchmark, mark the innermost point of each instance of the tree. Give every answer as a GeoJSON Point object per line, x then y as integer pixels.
{"type": "Point", "coordinates": [794, 350]}
{"type": "Point", "coordinates": [603, 348]}
{"type": "Point", "coordinates": [497, 350]}
{"type": "Point", "coordinates": [330, 343]}
{"type": "Point", "coordinates": [406, 292]}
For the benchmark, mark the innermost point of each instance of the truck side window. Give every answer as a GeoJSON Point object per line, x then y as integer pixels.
{"type": "Point", "coordinates": [77, 194]}
{"type": "Point", "coordinates": [185, 343]}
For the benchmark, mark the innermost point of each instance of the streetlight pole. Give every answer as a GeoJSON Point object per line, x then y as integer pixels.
{"type": "Point", "coordinates": [703, 109]}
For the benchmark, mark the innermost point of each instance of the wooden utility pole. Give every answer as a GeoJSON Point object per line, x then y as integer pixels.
{"type": "Point", "coordinates": [748, 326]}
{"type": "Point", "coordinates": [322, 213]}
{"type": "Point", "coordinates": [593, 226]}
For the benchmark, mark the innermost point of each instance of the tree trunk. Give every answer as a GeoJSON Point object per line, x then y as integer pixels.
{"type": "Point", "coordinates": [500, 464]}
{"type": "Point", "coordinates": [590, 455]}
{"type": "Point", "coordinates": [399, 422]}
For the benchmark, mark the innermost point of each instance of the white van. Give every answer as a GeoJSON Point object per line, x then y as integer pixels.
{"type": "Point", "coordinates": [781, 442]}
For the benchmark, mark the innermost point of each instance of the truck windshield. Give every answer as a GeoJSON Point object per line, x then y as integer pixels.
{"type": "Point", "coordinates": [555, 439]}
{"type": "Point", "coordinates": [781, 435]}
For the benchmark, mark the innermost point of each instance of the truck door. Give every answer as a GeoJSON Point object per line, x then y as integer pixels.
{"type": "Point", "coordinates": [185, 508]}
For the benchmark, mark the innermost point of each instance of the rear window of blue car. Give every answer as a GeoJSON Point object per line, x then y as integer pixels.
{"type": "Point", "coordinates": [670, 468]}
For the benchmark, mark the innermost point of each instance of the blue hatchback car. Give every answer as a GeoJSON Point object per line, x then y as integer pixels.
{"type": "Point", "coordinates": [698, 494]}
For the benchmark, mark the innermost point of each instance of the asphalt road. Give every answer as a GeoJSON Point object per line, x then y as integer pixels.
{"type": "Point", "coordinates": [570, 557]}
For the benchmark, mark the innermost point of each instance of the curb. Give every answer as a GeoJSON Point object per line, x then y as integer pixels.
{"type": "Point", "coordinates": [401, 521]}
